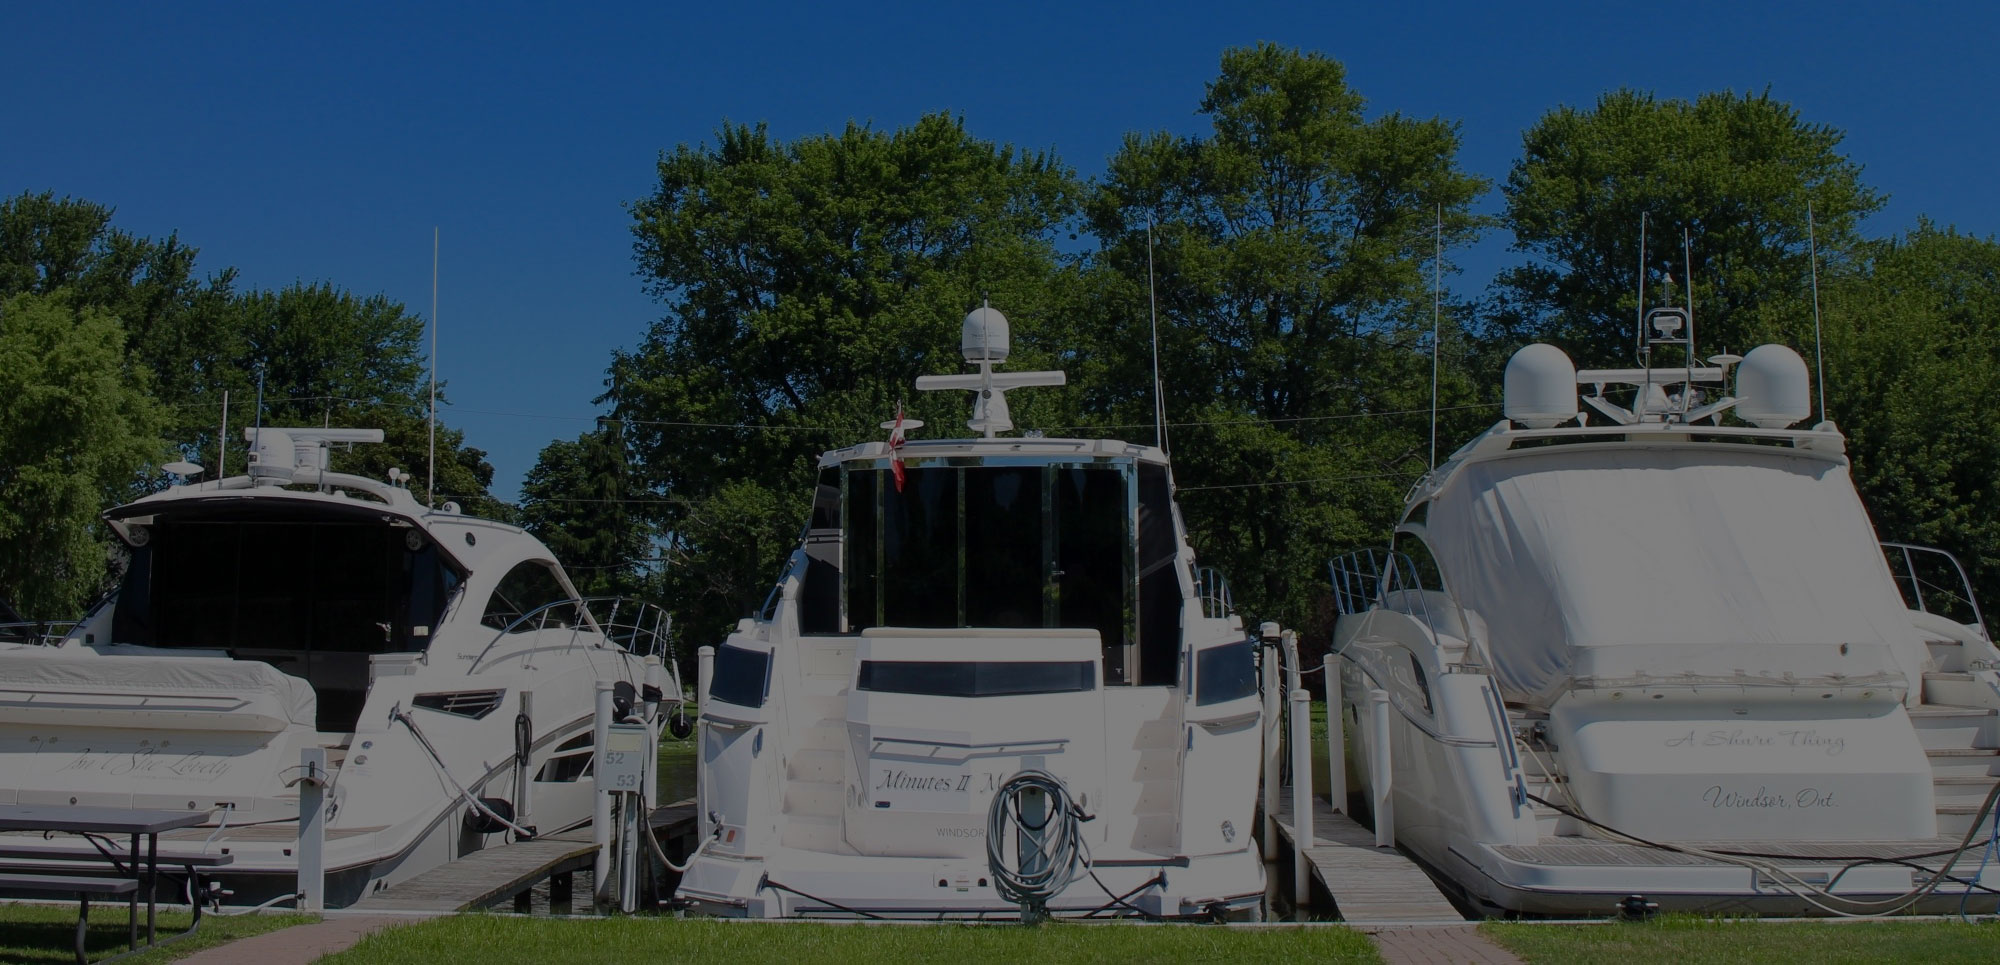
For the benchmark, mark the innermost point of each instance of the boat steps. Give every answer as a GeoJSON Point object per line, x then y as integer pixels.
{"type": "Point", "coordinates": [1942, 726]}
{"type": "Point", "coordinates": [815, 832]}
{"type": "Point", "coordinates": [816, 765]}
{"type": "Point", "coordinates": [1967, 789]}
{"type": "Point", "coordinates": [1964, 761]}
{"type": "Point", "coordinates": [1956, 688]}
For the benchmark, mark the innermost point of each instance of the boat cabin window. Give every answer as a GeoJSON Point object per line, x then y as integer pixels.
{"type": "Point", "coordinates": [528, 587]}
{"type": "Point", "coordinates": [1087, 546]}
{"type": "Point", "coordinates": [313, 597]}
{"type": "Point", "coordinates": [1427, 574]}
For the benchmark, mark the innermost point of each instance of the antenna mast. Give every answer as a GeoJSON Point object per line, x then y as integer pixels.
{"type": "Point", "coordinates": [1437, 310]}
{"type": "Point", "coordinates": [1819, 351]}
{"type": "Point", "coordinates": [1153, 306]}
{"type": "Point", "coordinates": [222, 442]}
{"type": "Point", "coordinates": [430, 484]}
{"type": "Point", "coordinates": [1639, 330]}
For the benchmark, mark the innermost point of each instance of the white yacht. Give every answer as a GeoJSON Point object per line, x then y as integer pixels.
{"type": "Point", "coordinates": [975, 637]}
{"type": "Point", "coordinates": [445, 663]}
{"type": "Point", "coordinates": [1659, 660]}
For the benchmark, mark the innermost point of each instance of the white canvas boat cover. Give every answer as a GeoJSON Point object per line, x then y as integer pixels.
{"type": "Point", "coordinates": [82, 687]}
{"type": "Point", "coordinates": [1632, 565]}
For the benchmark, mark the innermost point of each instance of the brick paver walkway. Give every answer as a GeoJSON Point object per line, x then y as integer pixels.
{"type": "Point", "coordinates": [297, 945]}
{"type": "Point", "coordinates": [1438, 945]}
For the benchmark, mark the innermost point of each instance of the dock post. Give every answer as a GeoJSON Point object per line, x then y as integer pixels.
{"type": "Point", "coordinates": [1381, 770]}
{"type": "Point", "coordinates": [312, 829]}
{"type": "Point", "coordinates": [1302, 795]}
{"type": "Point", "coordinates": [1273, 762]}
{"type": "Point", "coordinates": [704, 674]}
{"type": "Point", "coordinates": [1336, 736]}
{"type": "Point", "coordinates": [600, 816]}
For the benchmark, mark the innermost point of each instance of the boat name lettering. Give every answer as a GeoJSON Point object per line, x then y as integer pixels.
{"type": "Point", "coordinates": [900, 780]}
{"type": "Point", "coordinates": [1810, 739]}
{"type": "Point", "coordinates": [1764, 799]}
{"type": "Point", "coordinates": [148, 762]}
{"type": "Point", "coordinates": [961, 832]}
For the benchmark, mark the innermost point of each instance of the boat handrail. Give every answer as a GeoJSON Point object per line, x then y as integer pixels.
{"type": "Point", "coordinates": [43, 633]}
{"type": "Point", "coordinates": [1916, 589]}
{"type": "Point", "coordinates": [638, 627]}
{"type": "Point", "coordinates": [1212, 589]}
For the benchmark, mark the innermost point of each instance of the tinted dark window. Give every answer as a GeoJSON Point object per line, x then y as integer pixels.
{"type": "Point", "coordinates": [1159, 581]}
{"type": "Point", "coordinates": [978, 678]}
{"type": "Point", "coordinates": [1427, 575]}
{"type": "Point", "coordinates": [1225, 673]}
{"type": "Point", "coordinates": [863, 550]}
{"type": "Point", "coordinates": [526, 588]}
{"type": "Point", "coordinates": [1005, 565]}
{"type": "Point", "coordinates": [1094, 559]}
{"type": "Point", "coordinates": [819, 597]}
{"type": "Point", "coordinates": [920, 550]}
{"type": "Point", "coordinates": [742, 677]}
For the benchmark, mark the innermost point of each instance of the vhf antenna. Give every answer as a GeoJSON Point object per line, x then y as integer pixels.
{"type": "Point", "coordinates": [430, 484]}
{"type": "Point", "coordinates": [1639, 331]}
{"type": "Point", "coordinates": [1153, 306]}
{"type": "Point", "coordinates": [1437, 310]}
{"type": "Point", "coordinates": [1819, 350]}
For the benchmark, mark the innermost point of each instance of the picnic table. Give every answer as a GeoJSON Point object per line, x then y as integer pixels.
{"type": "Point", "coordinates": [139, 871]}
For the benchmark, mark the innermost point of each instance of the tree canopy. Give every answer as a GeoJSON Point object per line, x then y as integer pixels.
{"type": "Point", "coordinates": [1735, 173]}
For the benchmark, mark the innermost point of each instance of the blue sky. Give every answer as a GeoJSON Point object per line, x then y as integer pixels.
{"type": "Point", "coordinates": [326, 142]}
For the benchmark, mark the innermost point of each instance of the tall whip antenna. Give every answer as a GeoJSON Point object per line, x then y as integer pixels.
{"type": "Point", "coordinates": [1687, 256]}
{"type": "Point", "coordinates": [1639, 330]}
{"type": "Point", "coordinates": [1153, 306]}
{"type": "Point", "coordinates": [430, 484]}
{"type": "Point", "coordinates": [1819, 351]}
{"type": "Point", "coordinates": [1437, 311]}
{"type": "Point", "coordinates": [222, 442]}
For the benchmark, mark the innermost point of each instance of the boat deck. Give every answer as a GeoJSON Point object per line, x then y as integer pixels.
{"type": "Point", "coordinates": [1368, 884]}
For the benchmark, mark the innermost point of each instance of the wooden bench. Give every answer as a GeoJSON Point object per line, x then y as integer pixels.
{"type": "Point", "coordinates": [83, 886]}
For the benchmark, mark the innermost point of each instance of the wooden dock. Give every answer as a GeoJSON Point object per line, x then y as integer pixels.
{"type": "Point", "coordinates": [1368, 884]}
{"type": "Point", "coordinates": [489, 877]}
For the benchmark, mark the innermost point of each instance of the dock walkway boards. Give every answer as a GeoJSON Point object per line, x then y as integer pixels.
{"type": "Point", "coordinates": [485, 877]}
{"type": "Point", "coordinates": [493, 875]}
{"type": "Point", "coordinates": [1369, 884]}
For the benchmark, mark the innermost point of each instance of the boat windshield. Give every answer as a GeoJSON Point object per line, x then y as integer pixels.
{"type": "Point", "coordinates": [314, 597]}
{"type": "Point", "coordinates": [1079, 546]}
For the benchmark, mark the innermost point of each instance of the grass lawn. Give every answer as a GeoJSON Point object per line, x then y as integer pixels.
{"type": "Point", "coordinates": [529, 941]}
{"type": "Point", "coordinates": [32, 934]}
{"type": "Point", "coordinates": [1687, 941]}
{"type": "Point", "coordinates": [677, 763]}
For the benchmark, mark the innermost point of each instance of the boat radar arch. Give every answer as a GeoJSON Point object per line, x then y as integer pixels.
{"type": "Point", "coordinates": [985, 342]}
{"type": "Point", "coordinates": [278, 455]}
{"type": "Point", "coordinates": [1540, 387]}
{"type": "Point", "coordinates": [1773, 389]}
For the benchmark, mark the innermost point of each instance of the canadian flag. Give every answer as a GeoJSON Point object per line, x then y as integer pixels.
{"type": "Point", "coordinates": [896, 447]}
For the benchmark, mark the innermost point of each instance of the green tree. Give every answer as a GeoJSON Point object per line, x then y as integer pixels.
{"type": "Point", "coordinates": [76, 426]}
{"type": "Point", "coordinates": [1294, 250]}
{"type": "Point", "coordinates": [1735, 172]}
{"type": "Point", "coordinates": [577, 500]}
{"type": "Point", "coordinates": [325, 354]}
{"type": "Point", "coordinates": [1912, 342]}
{"type": "Point", "coordinates": [807, 284]}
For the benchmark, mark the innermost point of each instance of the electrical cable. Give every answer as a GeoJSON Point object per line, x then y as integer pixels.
{"type": "Point", "coordinates": [1816, 895]}
{"type": "Point", "coordinates": [1062, 854]}
{"type": "Point", "coordinates": [766, 882]}
{"type": "Point", "coordinates": [477, 805]}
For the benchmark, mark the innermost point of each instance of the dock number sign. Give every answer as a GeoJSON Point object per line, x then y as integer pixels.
{"type": "Point", "coordinates": [621, 766]}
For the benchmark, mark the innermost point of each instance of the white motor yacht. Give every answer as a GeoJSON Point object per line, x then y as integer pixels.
{"type": "Point", "coordinates": [1660, 660]}
{"type": "Point", "coordinates": [445, 664]}
{"type": "Point", "coordinates": [990, 683]}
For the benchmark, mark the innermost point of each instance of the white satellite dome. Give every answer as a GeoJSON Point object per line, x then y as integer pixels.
{"type": "Point", "coordinates": [1773, 390]}
{"type": "Point", "coordinates": [985, 337]}
{"type": "Point", "coordinates": [1540, 387]}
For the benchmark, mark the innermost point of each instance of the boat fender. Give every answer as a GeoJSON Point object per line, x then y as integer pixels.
{"type": "Point", "coordinates": [679, 725]}
{"type": "Point", "coordinates": [623, 696]}
{"type": "Point", "coordinates": [493, 820]}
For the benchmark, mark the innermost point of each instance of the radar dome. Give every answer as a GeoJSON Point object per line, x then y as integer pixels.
{"type": "Point", "coordinates": [1773, 390]}
{"type": "Point", "coordinates": [985, 337]}
{"type": "Point", "coordinates": [1541, 387]}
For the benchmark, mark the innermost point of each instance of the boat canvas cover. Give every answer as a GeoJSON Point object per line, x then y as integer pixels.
{"type": "Point", "coordinates": [81, 687]}
{"type": "Point", "coordinates": [1696, 564]}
